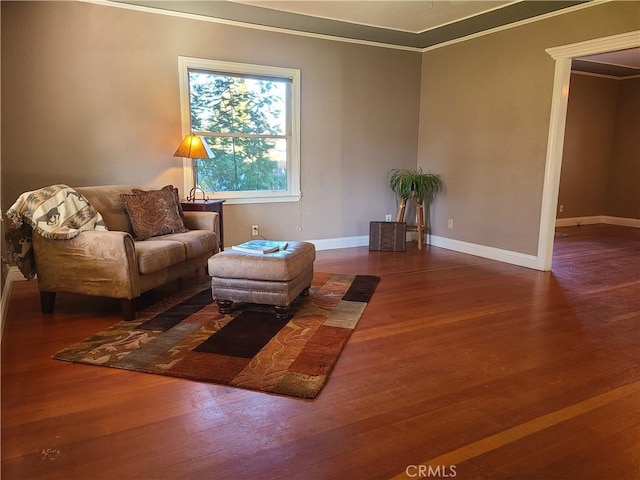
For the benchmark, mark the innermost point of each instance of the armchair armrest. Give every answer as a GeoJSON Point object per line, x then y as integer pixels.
{"type": "Point", "coordinates": [202, 221]}
{"type": "Point", "coordinates": [95, 263]}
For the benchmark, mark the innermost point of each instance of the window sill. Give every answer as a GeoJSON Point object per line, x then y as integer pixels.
{"type": "Point", "coordinates": [253, 199]}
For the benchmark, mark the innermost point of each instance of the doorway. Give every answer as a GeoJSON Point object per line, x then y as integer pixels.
{"type": "Point", "coordinates": [563, 56]}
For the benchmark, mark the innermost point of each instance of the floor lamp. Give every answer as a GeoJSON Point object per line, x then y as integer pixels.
{"type": "Point", "coordinates": [193, 147]}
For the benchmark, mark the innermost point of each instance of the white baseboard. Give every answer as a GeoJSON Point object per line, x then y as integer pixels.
{"type": "Point", "coordinates": [13, 275]}
{"type": "Point", "coordinates": [506, 256]}
{"type": "Point", "coordinates": [349, 242]}
{"type": "Point", "coordinates": [4, 302]}
{"type": "Point", "coordinates": [341, 242]}
{"type": "Point", "coordinates": [609, 220]}
{"type": "Point", "coordinates": [514, 258]}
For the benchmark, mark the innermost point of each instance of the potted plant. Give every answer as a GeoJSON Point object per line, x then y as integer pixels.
{"type": "Point", "coordinates": [417, 186]}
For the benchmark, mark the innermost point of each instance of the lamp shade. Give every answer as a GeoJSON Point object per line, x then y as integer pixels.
{"type": "Point", "coordinates": [193, 146]}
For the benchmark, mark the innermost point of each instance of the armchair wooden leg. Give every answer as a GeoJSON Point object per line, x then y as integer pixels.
{"type": "Point", "coordinates": [128, 308]}
{"type": "Point", "coordinates": [47, 301]}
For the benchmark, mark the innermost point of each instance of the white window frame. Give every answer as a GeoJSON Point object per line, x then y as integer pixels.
{"type": "Point", "coordinates": [293, 193]}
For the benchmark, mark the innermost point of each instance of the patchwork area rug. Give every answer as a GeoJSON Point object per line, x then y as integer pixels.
{"type": "Point", "coordinates": [185, 336]}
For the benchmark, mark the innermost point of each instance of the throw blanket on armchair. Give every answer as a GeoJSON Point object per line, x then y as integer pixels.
{"type": "Point", "coordinates": [57, 212]}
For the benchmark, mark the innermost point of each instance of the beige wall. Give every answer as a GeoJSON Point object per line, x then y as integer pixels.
{"type": "Point", "coordinates": [90, 96]}
{"type": "Point", "coordinates": [588, 139]}
{"type": "Point", "coordinates": [601, 159]}
{"type": "Point", "coordinates": [623, 194]}
{"type": "Point", "coordinates": [484, 124]}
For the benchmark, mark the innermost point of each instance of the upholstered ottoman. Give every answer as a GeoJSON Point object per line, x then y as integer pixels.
{"type": "Point", "coordinates": [271, 278]}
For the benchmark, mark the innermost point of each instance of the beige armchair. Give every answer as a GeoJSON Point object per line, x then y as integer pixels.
{"type": "Point", "coordinates": [114, 263]}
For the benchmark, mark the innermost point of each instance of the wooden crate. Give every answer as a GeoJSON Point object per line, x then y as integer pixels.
{"type": "Point", "coordinates": [388, 236]}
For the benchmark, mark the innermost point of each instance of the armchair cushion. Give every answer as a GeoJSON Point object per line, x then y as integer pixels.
{"type": "Point", "coordinates": [106, 200]}
{"type": "Point", "coordinates": [154, 256]}
{"type": "Point", "coordinates": [194, 243]}
{"type": "Point", "coordinates": [153, 213]}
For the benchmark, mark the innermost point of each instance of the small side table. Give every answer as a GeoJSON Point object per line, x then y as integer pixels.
{"type": "Point", "coordinates": [207, 206]}
{"type": "Point", "coordinates": [388, 236]}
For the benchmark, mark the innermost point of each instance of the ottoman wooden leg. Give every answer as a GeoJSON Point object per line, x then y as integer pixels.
{"type": "Point", "coordinates": [305, 292]}
{"type": "Point", "coordinates": [281, 312]}
{"type": "Point", "coordinates": [224, 306]}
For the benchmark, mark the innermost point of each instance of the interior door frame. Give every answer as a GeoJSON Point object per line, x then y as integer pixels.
{"type": "Point", "coordinates": [563, 55]}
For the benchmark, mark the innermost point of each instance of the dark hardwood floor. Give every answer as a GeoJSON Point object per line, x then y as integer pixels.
{"type": "Point", "coordinates": [460, 367]}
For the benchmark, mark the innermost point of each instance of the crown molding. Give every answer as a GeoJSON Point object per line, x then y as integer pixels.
{"type": "Point", "coordinates": [599, 45]}
{"type": "Point", "coordinates": [230, 13]}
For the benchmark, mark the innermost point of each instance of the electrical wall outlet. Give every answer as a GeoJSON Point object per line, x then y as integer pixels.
{"type": "Point", "coordinates": [387, 217]}
{"type": "Point", "coordinates": [450, 223]}
{"type": "Point", "coordinates": [254, 231]}
{"type": "Point", "coordinates": [561, 208]}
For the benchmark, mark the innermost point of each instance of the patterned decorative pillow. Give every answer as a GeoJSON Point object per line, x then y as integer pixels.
{"type": "Point", "coordinates": [154, 212]}
{"type": "Point", "coordinates": [170, 188]}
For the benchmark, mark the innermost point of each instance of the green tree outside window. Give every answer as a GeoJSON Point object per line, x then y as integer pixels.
{"type": "Point", "coordinates": [244, 121]}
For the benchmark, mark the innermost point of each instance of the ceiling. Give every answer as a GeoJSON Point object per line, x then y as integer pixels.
{"type": "Point", "coordinates": [414, 24]}
{"type": "Point", "coordinates": [406, 16]}
{"type": "Point", "coordinates": [618, 64]}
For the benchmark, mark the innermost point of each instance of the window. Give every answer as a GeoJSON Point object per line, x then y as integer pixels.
{"type": "Point", "coordinates": [249, 116]}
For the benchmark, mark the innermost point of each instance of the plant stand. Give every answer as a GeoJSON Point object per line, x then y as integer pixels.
{"type": "Point", "coordinates": [419, 226]}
